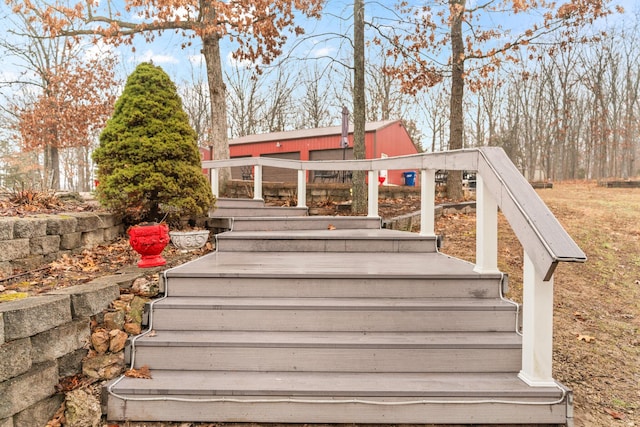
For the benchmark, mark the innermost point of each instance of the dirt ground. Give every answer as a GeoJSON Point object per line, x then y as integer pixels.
{"type": "Point", "coordinates": [597, 304]}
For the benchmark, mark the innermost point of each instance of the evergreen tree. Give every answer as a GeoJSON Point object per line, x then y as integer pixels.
{"type": "Point", "coordinates": [148, 159]}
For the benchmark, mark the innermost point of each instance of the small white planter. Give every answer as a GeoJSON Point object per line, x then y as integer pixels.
{"type": "Point", "coordinates": [189, 240]}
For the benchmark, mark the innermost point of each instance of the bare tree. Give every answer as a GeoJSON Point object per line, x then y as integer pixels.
{"type": "Point", "coordinates": [277, 103]}
{"type": "Point", "coordinates": [195, 101]}
{"type": "Point", "coordinates": [359, 204]}
{"type": "Point", "coordinates": [244, 100]}
{"type": "Point", "coordinates": [315, 100]}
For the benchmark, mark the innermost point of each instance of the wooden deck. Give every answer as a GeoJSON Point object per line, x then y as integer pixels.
{"type": "Point", "coordinates": [395, 332]}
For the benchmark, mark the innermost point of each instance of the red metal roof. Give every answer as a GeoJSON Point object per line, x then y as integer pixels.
{"type": "Point", "coordinates": [308, 133]}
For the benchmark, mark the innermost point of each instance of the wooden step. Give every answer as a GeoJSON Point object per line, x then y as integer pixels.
{"type": "Point", "coordinates": [329, 397]}
{"type": "Point", "coordinates": [228, 202]}
{"type": "Point", "coordinates": [334, 314]}
{"type": "Point", "coordinates": [330, 351]}
{"type": "Point", "coordinates": [326, 274]}
{"type": "Point", "coordinates": [264, 211]}
{"type": "Point", "coordinates": [305, 223]}
{"type": "Point", "coordinates": [379, 240]}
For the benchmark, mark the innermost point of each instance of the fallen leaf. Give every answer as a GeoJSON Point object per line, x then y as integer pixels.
{"type": "Point", "coordinates": [579, 316]}
{"type": "Point", "coordinates": [586, 338]}
{"type": "Point", "coordinates": [331, 227]}
{"type": "Point", "coordinates": [614, 414]}
{"type": "Point", "coordinates": [143, 373]}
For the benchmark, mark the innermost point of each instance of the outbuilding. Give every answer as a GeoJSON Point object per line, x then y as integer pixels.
{"type": "Point", "coordinates": [382, 139]}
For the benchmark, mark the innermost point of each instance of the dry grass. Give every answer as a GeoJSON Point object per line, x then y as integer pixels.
{"type": "Point", "coordinates": [598, 299]}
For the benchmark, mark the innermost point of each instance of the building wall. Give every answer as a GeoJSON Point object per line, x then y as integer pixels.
{"type": "Point", "coordinates": [391, 140]}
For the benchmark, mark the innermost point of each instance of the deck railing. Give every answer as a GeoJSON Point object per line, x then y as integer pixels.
{"type": "Point", "coordinates": [499, 185]}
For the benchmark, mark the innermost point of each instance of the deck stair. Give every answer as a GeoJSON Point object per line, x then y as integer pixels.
{"type": "Point", "coordinates": [336, 321]}
{"type": "Point", "coordinates": [227, 210]}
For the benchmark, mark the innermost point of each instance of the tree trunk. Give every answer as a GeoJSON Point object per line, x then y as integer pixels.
{"type": "Point", "coordinates": [359, 204]}
{"type": "Point", "coordinates": [217, 92]}
{"type": "Point", "coordinates": [456, 119]}
{"type": "Point", "coordinates": [51, 173]}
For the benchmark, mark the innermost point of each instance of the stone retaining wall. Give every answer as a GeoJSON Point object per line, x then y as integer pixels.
{"type": "Point", "coordinates": [43, 339]}
{"type": "Point", "coordinates": [29, 242]}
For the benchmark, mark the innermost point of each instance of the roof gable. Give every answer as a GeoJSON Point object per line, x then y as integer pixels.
{"type": "Point", "coordinates": [308, 133]}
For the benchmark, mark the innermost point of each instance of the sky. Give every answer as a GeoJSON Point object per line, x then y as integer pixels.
{"type": "Point", "coordinates": [166, 50]}
{"type": "Point", "coordinates": [181, 64]}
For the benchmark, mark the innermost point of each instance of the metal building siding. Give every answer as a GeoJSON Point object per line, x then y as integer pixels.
{"type": "Point", "coordinates": [394, 141]}
{"type": "Point", "coordinates": [388, 137]}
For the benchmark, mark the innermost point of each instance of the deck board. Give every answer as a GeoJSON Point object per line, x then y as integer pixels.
{"type": "Point", "coordinates": [340, 339]}
{"type": "Point", "coordinates": [207, 383]}
{"type": "Point", "coordinates": [329, 265]}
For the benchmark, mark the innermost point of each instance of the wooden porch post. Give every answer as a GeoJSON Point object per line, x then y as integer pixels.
{"type": "Point", "coordinates": [257, 182]}
{"type": "Point", "coordinates": [537, 328]}
{"type": "Point", "coordinates": [302, 188]}
{"type": "Point", "coordinates": [486, 230]}
{"type": "Point", "coordinates": [372, 209]}
{"type": "Point", "coordinates": [427, 202]}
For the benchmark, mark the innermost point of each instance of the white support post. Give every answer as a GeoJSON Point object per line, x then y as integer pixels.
{"type": "Point", "coordinates": [257, 182]}
{"type": "Point", "coordinates": [215, 186]}
{"type": "Point", "coordinates": [486, 230]}
{"type": "Point", "coordinates": [537, 328]}
{"type": "Point", "coordinates": [427, 202]}
{"type": "Point", "coordinates": [372, 209]}
{"type": "Point", "coordinates": [302, 188]}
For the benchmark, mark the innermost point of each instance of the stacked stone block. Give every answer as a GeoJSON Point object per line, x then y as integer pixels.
{"type": "Point", "coordinates": [27, 243]}
{"type": "Point", "coordinates": [43, 339]}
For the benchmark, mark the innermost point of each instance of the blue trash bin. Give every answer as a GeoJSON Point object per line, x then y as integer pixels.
{"type": "Point", "coordinates": [409, 178]}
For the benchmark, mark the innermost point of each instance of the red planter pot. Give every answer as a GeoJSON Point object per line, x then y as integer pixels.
{"type": "Point", "coordinates": [149, 240]}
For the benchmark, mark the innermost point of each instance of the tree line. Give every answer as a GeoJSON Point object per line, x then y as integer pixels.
{"type": "Point", "coordinates": [563, 104]}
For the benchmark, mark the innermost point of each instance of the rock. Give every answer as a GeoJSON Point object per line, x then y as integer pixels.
{"type": "Point", "coordinates": [145, 287]}
{"type": "Point", "coordinates": [104, 366]}
{"type": "Point", "coordinates": [133, 328]}
{"type": "Point", "coordinates": [137, 308]}
{"type": "Point", "coordinates": [127, 297]}
{"type": "Point", "coordinates": [118, 339]}
{"type": "Point", "coordinates": [82, 409]}
{"type": "Point", "coordinates": [120, 305]}
{"type": "Point", "coordinates": [100, 341]}
{"type": "Point", "coordinates": [114, 320]}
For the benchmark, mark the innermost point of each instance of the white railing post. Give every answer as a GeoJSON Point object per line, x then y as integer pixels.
{"type": "Point", "coordinates": [537, 328]}
{"type": "Point", "coordinates": [486, 229]}
{"type": "Point", "coordinates": [302, 188]}
{"type": "Point", "coordinates": [427, 202]}
{"type": "Point", "coordinates": [257, 182]}
{"type": "Point", "coordinates": [372, 207]}
{"type": "Point", "coordinates": [215, 186]}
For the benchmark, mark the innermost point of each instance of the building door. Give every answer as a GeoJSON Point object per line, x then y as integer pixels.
{"type": "Point", "coordinates": [271, 174]}
{"type": "Point", "coordinates": [331, 176]}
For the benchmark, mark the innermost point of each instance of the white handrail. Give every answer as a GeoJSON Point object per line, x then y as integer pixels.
{"type": "Point", "coordinates": [500, 186]}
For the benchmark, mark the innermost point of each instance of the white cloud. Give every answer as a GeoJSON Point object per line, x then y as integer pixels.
{"type": "Point", "coordinates": [196, 59]}
{"type": "Point", "coordinates": [156, 58]}
{"type": "Point", "coordinates": [181, 13]}
{"type": "Point", "coordinates": [100, 50]}
{"type": "Point", "coordinates": [238, 63]}
{"type": "Point", "coordinates": [323, 52]}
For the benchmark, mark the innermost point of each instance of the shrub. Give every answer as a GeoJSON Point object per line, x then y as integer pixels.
{"type": "Point", "coordinates": [148, 159]}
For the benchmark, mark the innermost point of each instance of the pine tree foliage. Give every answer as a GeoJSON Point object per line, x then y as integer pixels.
{"type": "Point", "coordinates": [148, 159]}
